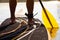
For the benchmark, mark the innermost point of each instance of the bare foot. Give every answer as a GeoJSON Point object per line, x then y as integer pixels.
{"type": "Point", "coordinates": [12, 20]}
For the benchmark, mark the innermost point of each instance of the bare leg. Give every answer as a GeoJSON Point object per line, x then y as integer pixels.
{"type": "Point", "coordinates": [30, 5]}
{"type": "Point", "coordinates": [12, 4]}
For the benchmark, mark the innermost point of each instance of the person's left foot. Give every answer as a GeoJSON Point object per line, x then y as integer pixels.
{"type": "Point", "coordinates": [6, 23]}
{"type": "Point", "coordinates": [12, 20]}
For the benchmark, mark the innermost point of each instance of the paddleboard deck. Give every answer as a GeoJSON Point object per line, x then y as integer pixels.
{"type": "Point", "coordinates": [19, 31]}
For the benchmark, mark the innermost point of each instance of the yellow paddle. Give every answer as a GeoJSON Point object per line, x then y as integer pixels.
{"type": "Point", "coordinates": [49, 21]}
{"type": "Point", "coordinates": [47, 24]}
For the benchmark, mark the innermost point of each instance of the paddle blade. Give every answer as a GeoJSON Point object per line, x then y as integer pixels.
{"type": "Point", "coordinates": [46, 21]}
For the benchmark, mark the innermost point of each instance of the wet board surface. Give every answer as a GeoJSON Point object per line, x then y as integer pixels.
{"type": "Point", "coordinates": [39, 33]}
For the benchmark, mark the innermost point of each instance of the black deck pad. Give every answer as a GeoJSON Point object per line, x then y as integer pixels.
{"type": "Point", "coordinates": [40, 32]}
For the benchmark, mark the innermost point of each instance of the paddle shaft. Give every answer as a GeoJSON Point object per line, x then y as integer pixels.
{"type": "Point", "coordinates": [46, 13]}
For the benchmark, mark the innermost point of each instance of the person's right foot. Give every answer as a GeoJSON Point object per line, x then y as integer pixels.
{"type": "Point", "coordinates": [30, 28]}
